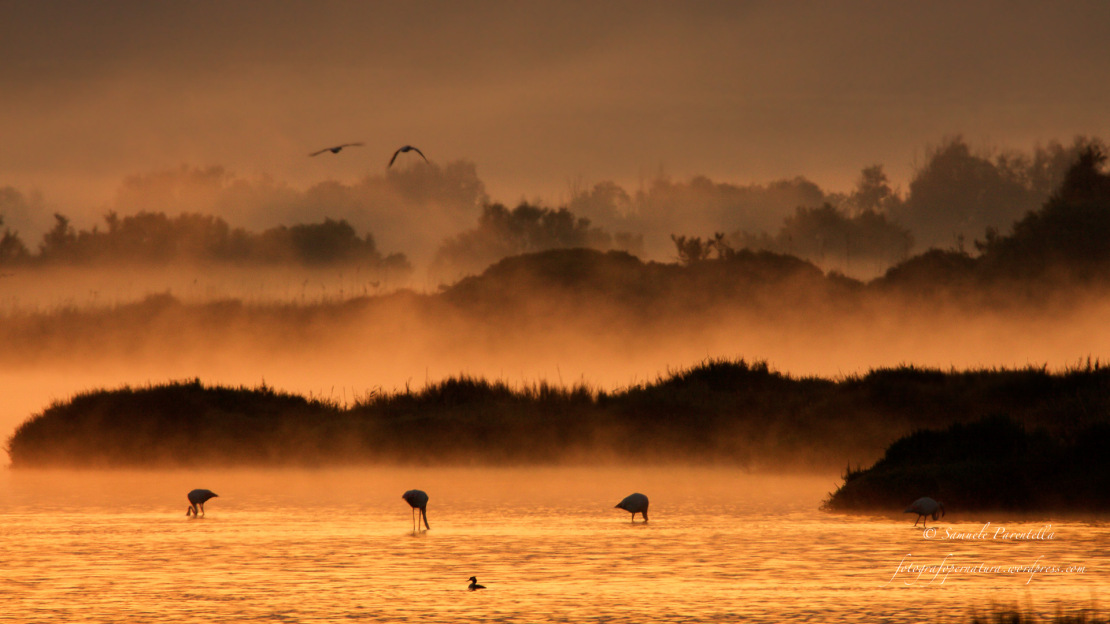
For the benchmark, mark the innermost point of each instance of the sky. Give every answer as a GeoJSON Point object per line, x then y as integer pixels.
{"type": "Point", "coordinates": [541, 96]}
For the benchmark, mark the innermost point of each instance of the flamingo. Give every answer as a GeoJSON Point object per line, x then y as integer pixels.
{"type": "Point", "coordinates": [336, 149]}
{"type": "Point", "coordinates": [474, 584]}
{"type": "Point", "coordinates": [417, 499]}
{"type": "Point", "coordinates": [636, 503]}
{"type": "Point", "coordinates": [926, 506]}
{"type": "Point", "coordinates": [407, 148]}
{"type": "Point", "coordinates": [197, 498]}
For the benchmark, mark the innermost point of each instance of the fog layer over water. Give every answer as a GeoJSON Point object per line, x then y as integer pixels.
{"type": "Point", "coordinates": [345, 351]}
{"type": "Point", "coordinates": [316, 546]}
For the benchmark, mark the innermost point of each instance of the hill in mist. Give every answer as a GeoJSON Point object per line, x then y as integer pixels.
{"type": "Point", "coordinates": [726, 412]}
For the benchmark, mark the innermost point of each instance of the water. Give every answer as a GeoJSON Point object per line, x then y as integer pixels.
{"type": "Point", "coordinates": [337, 545]}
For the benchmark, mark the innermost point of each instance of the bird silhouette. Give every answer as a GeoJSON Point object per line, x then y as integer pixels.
{"type": "Point", "coordinates": [197, 498]}
{"type": "Point", "coordinates": [923, 507]}
{"type": "Point", "coordinates": [336, 149]}
{"type": "Point", "coordinates": [474, 584]}
{"type": "Point", "coordinates": [407, 148]}
{"type": "Point", "coordinates": [636, 503]}
{"type": "Point", "coordinates": [417, 499]}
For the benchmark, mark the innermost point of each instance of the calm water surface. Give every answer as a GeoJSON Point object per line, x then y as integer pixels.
{"type": "Point", "coordinates": [338, 546]}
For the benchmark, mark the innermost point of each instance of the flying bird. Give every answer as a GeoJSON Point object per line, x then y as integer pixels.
{"type": "Point", "coordinates": [926, 506]}
{"type": "Point", "coordinates": [417, 499]}
{"type": "Point", "coordinates": [636, 503]}
{"type": "Point", "coordinates": [197, 498]}
{"type": "Point", "coordinates": [336, 149]}
{"type": "Point", "coordinates": [407, 148]}
{"type": "Point", "coordinates": [474, 584]}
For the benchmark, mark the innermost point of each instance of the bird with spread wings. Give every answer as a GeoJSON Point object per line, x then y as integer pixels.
{"type": "Point", "coordinates": [336, 149]}
{"type": "Point", "coordinates": [407, 148]}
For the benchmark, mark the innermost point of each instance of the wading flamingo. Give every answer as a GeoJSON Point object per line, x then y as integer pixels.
{"type": "Point", "coordinates": [926, 506]}
{"type": "Point", "coordinates": [417, 499]}
{"type": "Point", "coordinates": [197, 498]}
{"type": "Point", "coordinates": [636, 503]}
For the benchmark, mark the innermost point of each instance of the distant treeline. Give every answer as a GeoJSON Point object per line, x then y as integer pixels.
{"type": "Point", "coordinates": [1056, 256]}
{"type": "Point", "coordinates": [502, 233]}
{"type": "Point", "coordinates": [957, 197]}
{"type": "Point", "coordinates": [1065, 239]}
{"type": "Point", "coordinates": [727, 412]}
{"type": "Point", "coordinates": [157, 239]}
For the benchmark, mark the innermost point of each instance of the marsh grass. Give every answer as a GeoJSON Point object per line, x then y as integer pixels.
{"type": "Point", "coordinates": [721, 412]}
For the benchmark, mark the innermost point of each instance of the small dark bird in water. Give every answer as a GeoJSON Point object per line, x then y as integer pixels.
{"type": "Point", "coordinates": [197, 498]}
{"type": "Point", "coordinates": [417, 499]}
{"type": "Point", "coordinates": [636, 503]}
{"type": "Point", "coordinates": [474, 584]}
{"type": "Point", "coordinates": [336, 149]}
{"type": "Point", "coordinates": [925, 506]}
{"type": "Point", "coordinates": [407, 148]}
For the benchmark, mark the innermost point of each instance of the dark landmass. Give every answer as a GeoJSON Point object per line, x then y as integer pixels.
{"type": "Point", "coordinates": [724, 412]}
{"type": "Point", "coordinates": [997, 463]}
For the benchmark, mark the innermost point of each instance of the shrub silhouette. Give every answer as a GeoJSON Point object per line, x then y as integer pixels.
{"type": "Point", "coordinates": [993, 463]}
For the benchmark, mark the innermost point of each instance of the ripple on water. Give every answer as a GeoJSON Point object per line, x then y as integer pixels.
{"type": "Point", "coordinates": [721, 546]}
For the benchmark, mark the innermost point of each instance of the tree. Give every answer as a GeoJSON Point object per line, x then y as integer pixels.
{"type": "Point", "coordinates": [691, 249]}
{"type": "Point", "coordinates": [60, 242]}
{"type": "Point", "coordinates": [1067, 236]}
{"type": "Point", "coordinates": [12, 249]}
{"type": "Point", "coordinates": [873, 192]}
{"type": "Point", "coordinates": [961, 193]}
{"type": "Point", "coordinates": [501, 233]}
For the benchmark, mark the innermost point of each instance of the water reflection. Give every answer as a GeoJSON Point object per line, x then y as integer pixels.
{"type": "Point", "coordinates": [321, 546]}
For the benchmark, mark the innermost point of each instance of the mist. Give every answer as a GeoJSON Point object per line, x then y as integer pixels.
{"type": "Point", "coordinates": [537, 96]}
{"type": "Point", "coordinates": [523, 330]}
{"type": "Point", "coordinates": [649, 120]}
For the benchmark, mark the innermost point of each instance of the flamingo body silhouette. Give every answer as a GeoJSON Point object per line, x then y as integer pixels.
{"type": "Point", "coordinates": [417, 499]}
{"type": "Point", "coordinates": [197, 498]}
{"type": "Point", "coordinates": [636, 504]}
{"type": "Point", "coordinates": [924, 507]}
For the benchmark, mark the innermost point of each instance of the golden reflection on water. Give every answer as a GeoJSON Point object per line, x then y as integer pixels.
{"type": "Point", "coordinates": [336, 545]}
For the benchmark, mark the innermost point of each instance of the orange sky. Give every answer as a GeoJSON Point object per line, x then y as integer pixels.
{"type": "Point", "coordinates": [538, 94]}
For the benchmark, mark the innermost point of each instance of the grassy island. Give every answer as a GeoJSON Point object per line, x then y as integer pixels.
{"type": "Point", "coordinates": [725, 412]}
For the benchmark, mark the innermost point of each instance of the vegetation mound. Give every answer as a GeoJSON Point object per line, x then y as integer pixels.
{"type": "Point", "coordinates": [996, 463]}
{"type": "Point", "coordinates": [728, 412]}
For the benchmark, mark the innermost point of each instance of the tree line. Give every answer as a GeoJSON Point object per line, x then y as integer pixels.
{"type": "Point", "coordinates": [957, 197]}
{"type": "Point", "coordinates": [150, 238]}
{"type": "Point", "coordinates": [1065, 238]}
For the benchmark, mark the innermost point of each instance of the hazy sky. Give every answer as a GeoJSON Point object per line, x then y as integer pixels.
{"type": "Point", "coordinates": [537, 94]}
